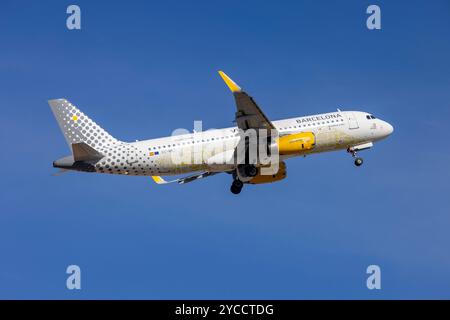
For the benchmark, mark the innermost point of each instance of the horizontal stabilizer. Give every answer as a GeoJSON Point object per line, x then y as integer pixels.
{"type": "Point", "coordinates": [83, 152]}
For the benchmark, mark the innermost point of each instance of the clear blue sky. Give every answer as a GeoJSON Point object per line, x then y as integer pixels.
{"type": "Point", "coordinates": [142, 69]}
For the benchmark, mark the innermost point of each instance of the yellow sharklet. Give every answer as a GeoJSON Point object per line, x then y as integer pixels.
{"type": "Point", "coordinates": [158, 180]}
{"type": "Point", "coordinates": [230, 83]}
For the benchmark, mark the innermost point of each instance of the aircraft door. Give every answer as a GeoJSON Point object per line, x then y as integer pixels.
{"type": "Point", "coordinates": [352, 122]}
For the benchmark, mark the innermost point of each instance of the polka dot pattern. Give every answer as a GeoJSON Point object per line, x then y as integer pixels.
{"type": "Point", "coordinates": [77, 127]}
{"type": "Point", "coordinates": [119, 157]}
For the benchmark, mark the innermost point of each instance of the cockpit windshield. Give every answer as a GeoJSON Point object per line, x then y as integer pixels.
{"type": "Point", "coordinates": [369, 117]}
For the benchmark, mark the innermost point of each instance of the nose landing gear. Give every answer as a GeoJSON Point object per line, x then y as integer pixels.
{"type": "Point", "coordinates": [358, 161]}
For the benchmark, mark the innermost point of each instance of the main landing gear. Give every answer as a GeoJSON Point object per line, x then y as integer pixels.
{"type": "Point", "coordinates": [245, 171]}
{"type": "Point", "coordinates": [236, 186]}
{"type": "Point", "coordinates": [358, 161]}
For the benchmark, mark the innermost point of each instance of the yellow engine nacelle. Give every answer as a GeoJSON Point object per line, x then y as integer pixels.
{"type": "Point", "coordinates": [280, 175]}
{"type": "Point", "coordinates": [296, 143]}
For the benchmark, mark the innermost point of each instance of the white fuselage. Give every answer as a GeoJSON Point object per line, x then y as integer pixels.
{"type": "Point", "coordinates": [333, 131]}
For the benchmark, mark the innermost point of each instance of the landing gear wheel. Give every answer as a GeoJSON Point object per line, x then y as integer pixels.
{"type": "Point", "coordinates": [235, 190]}
{"type": "Point", "coordinates": [236, 187]}
{"type": "Point", "coordinates": [251, 170]}
{"type": "Point", "coordinates": [247, 170]}
{"type": "Point", "coordinates": [358, 162]}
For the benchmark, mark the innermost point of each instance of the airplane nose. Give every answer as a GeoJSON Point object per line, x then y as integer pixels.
{"type": "Point", "coordinates": [389, 128]}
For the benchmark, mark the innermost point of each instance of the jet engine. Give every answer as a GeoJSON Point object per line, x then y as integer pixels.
{"type": "Point", "coordinates": [296, 143]}
{"type": "Point", "coordinates": [268, 178]}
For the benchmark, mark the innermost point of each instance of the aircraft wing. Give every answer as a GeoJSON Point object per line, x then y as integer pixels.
{"type": "Point", "coordinates": [160, 180]}
{"type": "Point", "coordinates": [248, 115]}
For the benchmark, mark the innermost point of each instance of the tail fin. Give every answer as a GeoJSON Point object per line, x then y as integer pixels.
{"type": "Point", "coordinates": [79, 128]}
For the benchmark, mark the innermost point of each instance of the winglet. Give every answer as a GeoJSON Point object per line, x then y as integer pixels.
{"type": "Point", "coordinates": [159, 180]}
{"type": "Point", "coordinates": [230, 83]}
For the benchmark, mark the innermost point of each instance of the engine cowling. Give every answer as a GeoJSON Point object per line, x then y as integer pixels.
{"type": "Point", "coordinates": [296, 143]}
{"type": "Point", "coordinates": [280, 175]}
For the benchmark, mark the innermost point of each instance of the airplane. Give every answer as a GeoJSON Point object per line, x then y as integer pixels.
{"type": "Point", "coordinates": [95, 150]}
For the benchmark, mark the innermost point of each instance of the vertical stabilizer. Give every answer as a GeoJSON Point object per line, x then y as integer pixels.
{"type": "Point", "coordinates": [78, 127]}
